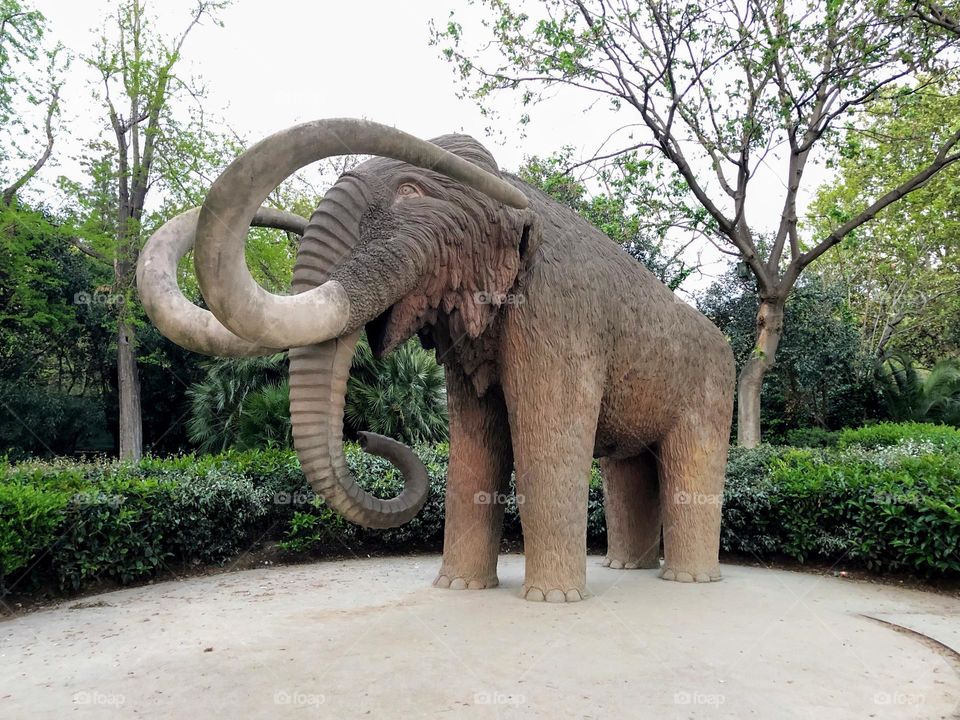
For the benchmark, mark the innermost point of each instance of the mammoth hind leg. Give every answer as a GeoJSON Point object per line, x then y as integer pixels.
{"type": "Point", "coordinates": [631, 504]}
{"type": "Point", "coordinates": [692, 462]}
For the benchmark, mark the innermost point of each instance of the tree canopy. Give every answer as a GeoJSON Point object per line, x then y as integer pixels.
{"type": "Point", "coordinates": [901, 271]}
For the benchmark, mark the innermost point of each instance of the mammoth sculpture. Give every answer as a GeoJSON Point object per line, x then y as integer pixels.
{"type": "Point", "coordinates": [558, 348]}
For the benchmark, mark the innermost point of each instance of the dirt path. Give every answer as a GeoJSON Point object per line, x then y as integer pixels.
{"type": "Point", "coordinates": [372, 639]}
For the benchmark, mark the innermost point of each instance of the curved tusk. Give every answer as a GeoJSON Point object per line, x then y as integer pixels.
{"type": "Point", "coordinates": [173, 314]}
{"type": "Point", "coordinates": [321, 313]}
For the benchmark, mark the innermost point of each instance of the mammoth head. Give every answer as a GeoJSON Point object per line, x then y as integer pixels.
{"type": "Point", "coordinates": [420, 229]}
{"type": "Point", "coordinates": [426, 244]}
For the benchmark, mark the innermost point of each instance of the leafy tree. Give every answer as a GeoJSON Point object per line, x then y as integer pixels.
{"type": "Point", "coordinates": [720, 86]}
{"type": "Point", "coordinates": [25, 88]}
{"type": "Point", "coordinates": [53, 340]}
{"type": "Point", "coordinates": [638, 206]}
{"type": "Point", "coordinates": [902, 270]}
{"type": "Point", "coordinates": [150, 146]}
{"type": "Point", "coordinates": [822, 377]}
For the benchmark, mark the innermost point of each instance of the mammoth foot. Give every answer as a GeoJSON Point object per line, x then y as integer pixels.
{"type": "Point", "coordinates": [682, 575]}
{"type": "Point", "coordinates": [630, 564]}
{"type": "Point", "coordinates": [454, 582]}
{"type": "Point", "coordinates": [554, 595]}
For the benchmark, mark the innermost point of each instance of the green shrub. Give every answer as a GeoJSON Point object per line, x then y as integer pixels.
{"type": "Point", "coordinates": [29, 520]}
{"type": "Point", "coordinates": [811, 437]}
{"type": "Point", "coordinates": [747, 503]}
{"type": "Point", "coordinates": [886, 498]}
{"type": "Point", "coordinates": [304, 533]}
{"type": "Point", "coordinates": [942, 437]}
{"type": "Point", "coordinates": [111, 532]}
{"type": "Point", "coordinates": [65, 422]}
{"type": "Point", "coordinates": [211, 517]}
{"type": "Point", "coordinates": [124, 522]}
{"type": "Point", "coordinates": [888, 509]}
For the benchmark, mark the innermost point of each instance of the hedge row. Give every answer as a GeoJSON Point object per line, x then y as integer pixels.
{"type": "Point", "coordinates": [885, 497]}
{"type": "Point", "coordinates": [74, 523]}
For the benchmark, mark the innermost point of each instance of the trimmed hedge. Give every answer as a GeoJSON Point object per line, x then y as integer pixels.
{"type": "Point", "coordinates": [887, 497]}
{"type": "Point", "coordinates": [891, 510]}
{"type": "Point", "coordinates": [934, 437]}
{"type": "Point", "coordinates": [95, 521]}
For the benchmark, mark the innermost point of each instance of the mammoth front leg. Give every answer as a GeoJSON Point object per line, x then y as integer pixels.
{"type": "Point", "coordinates": [477, 480]}
{"type": "Point", "coordinates": [554, 425]}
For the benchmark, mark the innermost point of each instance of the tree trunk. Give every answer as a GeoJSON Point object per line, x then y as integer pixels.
{"type": "Point", "coordinates": [769, 330]}
{"type": "Point", "coordinates": [128, 386]}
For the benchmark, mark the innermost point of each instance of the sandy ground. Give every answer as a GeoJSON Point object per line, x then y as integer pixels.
{"type": "Point", "coordinates": [372, 639]}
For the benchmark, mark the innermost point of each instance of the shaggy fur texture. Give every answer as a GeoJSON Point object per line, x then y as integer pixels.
{"type": "Point", "coordinates": [558, 348]}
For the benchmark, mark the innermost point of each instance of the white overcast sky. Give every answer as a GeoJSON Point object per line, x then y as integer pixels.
{"type": "Point", "coordinates": [279, 62]}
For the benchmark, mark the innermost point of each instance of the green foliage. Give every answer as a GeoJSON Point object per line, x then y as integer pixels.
{"type": "Point", "coordinates": [402, 395]}
{"type": "Point", "coordinates": [31, 74]}
{"type": "Point", "coordinates": [245, 404]}
{"type": "Point", "coordinates": [912, 393]}
{"type": "Point", "coordinates": [53, 340]}
{"type": "Point", "coordinates": [901, 269]}
{"type": "Point", "coordinates": [211, 516]}
{"type": "Point", "coordinates": [892, 508]}
{"type": "Point", "coordinates": [304, 533]}
{"type": "Point", "coordinates": [886, 498]}
{"type": "Point", "coordinates": [90, 522]}
{"type": "Point", "coordinates": [50, 313]}
{"type": "Point", "coordinates": [29, 519]}
{"type": "Point", "coordinates": [241, 403]}
{"type": "Point", "coordinates": [749, 523]}
{"type": "Point", "coordinates": [821, 377]}
{"type": "Point", "coordinates": [110, 532]}
{"type": "Point", "coordinates": [38, 421]}
{"type": "Point", "coordinates": [811, 437]}
{"type": "Point", "coordinates": [940, 437]}
{"type": "Point", "coordinates": [21, 33]}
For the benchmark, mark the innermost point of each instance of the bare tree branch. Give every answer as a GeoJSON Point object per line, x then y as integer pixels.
{"type": "Point", "coordinates": [935, 14]}
{"type": "Point", "coordinates": [88, 250]}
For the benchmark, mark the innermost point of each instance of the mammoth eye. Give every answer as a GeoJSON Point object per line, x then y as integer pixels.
{"type": "Point", "coordinates": [409, 190]}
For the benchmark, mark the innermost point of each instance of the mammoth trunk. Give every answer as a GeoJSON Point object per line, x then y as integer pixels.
{"type": "Point", "coordinates": [750, 384]}
{"type": "Point", "coordinates": [318, 381]}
